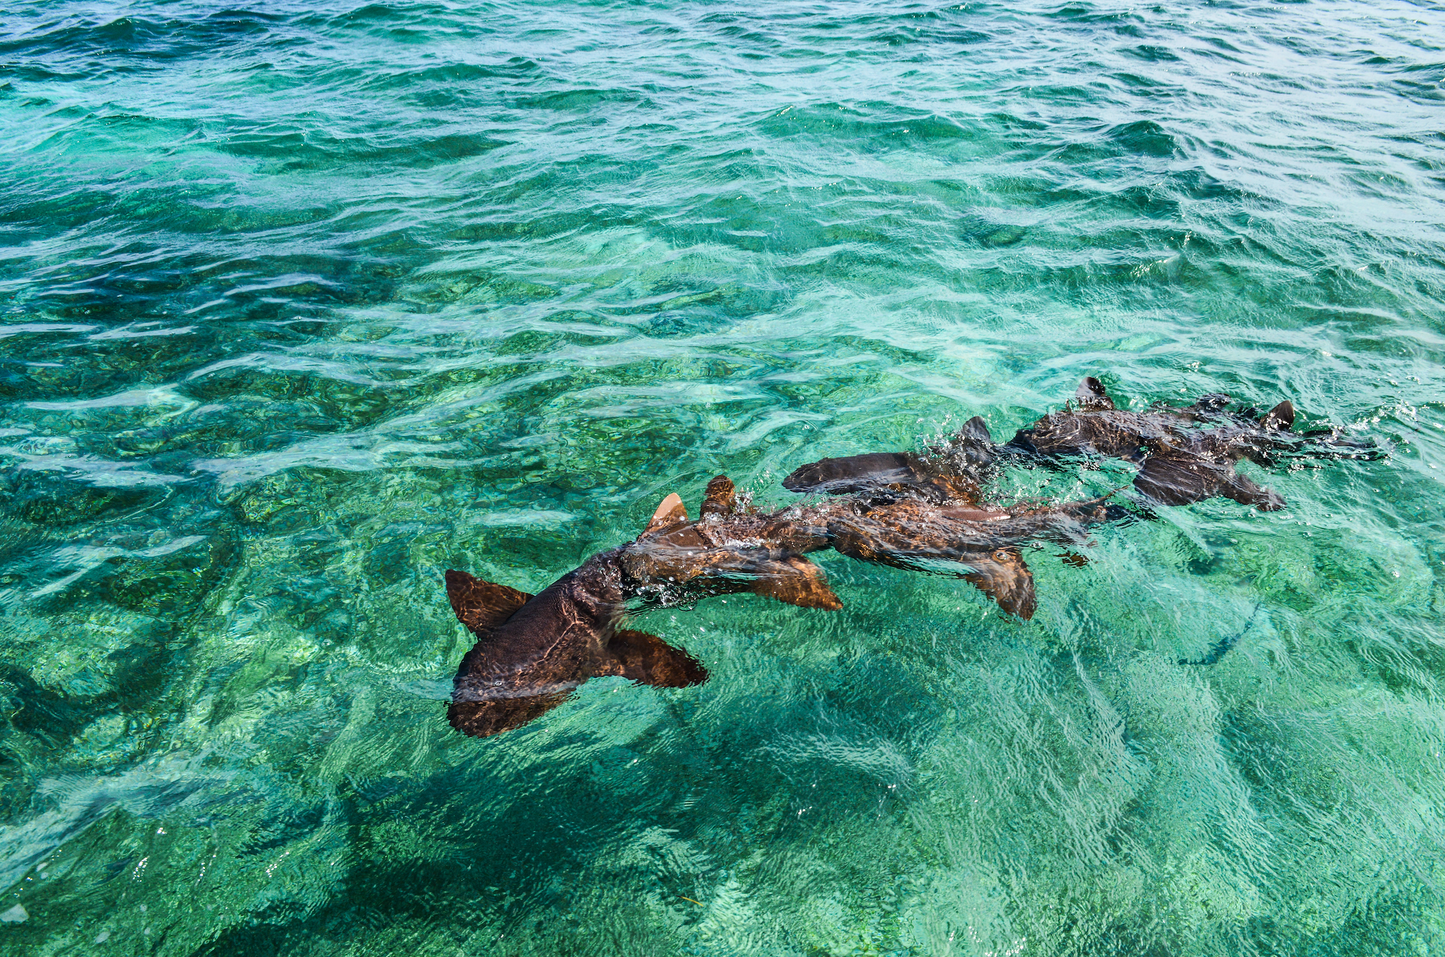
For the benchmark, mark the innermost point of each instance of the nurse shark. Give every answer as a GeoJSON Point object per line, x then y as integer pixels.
{"type": "Point", "coordinates": [1185, 454]}
{"type": "Point", "coordinates": [533, 650]}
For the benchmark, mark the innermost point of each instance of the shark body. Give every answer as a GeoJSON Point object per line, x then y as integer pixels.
{"type": "Point", "coordinates": [533, 650]}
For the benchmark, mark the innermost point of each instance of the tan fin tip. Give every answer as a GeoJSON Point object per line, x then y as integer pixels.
{"type": "Point", "coordinates": [670, 512]}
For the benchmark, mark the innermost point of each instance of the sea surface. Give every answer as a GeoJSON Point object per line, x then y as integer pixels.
{"type": "Point", "coordinates": [304, 303]}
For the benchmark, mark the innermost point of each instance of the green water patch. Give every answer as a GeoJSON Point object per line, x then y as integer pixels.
{"type": "Point", "coordinates": [301, 306]}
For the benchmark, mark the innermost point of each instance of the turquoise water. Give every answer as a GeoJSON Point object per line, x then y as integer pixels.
{"type": "Point", "coordinates": [302, 304]}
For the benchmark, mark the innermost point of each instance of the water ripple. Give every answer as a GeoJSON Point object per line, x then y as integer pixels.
{"type": "Point", "coordinates": [303, 303]}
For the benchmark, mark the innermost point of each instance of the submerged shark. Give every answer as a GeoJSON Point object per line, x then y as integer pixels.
{"type": "Point", "coordinates": [533, 650]}
{"type": "Point", "coordinates": [952, 471]}
{"type": "Point", "coordinates": [1185, 454]}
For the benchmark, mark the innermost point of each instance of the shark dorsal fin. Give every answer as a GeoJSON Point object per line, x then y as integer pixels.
{"type": "Point", "coordinates": [976, 428]}
{"type": "Point", "coordinates": [1279, 417]}
{"type": "Point", "coordinates": [1091, 395]}
{"type": "Point", "coordinates": [670, 512]}
{"type": "Point", "coordinates": [722, 496]}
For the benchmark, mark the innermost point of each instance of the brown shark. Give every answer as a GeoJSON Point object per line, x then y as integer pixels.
{"type": "Point", "coordinates": [533, 650]}
{"type": "Point", "coordinates": [915, 534]}
{"type": "Point", "coordinates": [1186, 454]}
{"type": "Point", "coordinates": [1092, 425]}
{"type": "Point", "coordinates": [952, 471]}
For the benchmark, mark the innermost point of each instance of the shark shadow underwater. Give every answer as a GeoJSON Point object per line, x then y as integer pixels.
{"type": "Point", "coordinates": [922, 511]}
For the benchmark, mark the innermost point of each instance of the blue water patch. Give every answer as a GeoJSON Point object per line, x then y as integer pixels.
{"type": "Point", "coordinates": [302, 304]}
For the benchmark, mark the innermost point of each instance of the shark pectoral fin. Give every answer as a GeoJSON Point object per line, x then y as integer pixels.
{"type": "Point", "coordinates": [482, 605]}
{"type": "Point", "coordinates": [1004, 576]}
{"type": "Point", "coordinates": [1246, 491]}
{"type": "Point", "coordinates": [794, 580]}
{"type": "Point", "coordinates": [1179, 480]}
{"type": "Point", "coordinates": [722, 497]}
{"type": "Point", "coordinates": [1092, 395]}
{"type": "Point", "coordinates": [648, 659]}
{"type": "Point", "coordinates": [670, 512]}
{"type": "Point", "coordinates": [1280, 417]}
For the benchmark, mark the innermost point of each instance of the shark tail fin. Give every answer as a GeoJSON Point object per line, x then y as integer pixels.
{"type": "Point", "coordinates": [852, 473]}
{"type": "Point", "coordinates": [484, 607]}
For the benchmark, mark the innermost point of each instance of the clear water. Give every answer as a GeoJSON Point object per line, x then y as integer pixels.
{"type": "Point", "coordinates": [304, 303]}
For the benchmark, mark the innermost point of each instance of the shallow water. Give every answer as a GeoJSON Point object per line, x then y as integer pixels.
{"type": "Point", "coordinates": [303, 304]}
